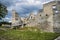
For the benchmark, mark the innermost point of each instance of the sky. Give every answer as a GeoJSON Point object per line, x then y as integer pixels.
{"type": "Point", "coordinates": [22, 7]}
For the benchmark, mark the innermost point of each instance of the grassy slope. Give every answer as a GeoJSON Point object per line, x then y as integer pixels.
{"type": "Point", "coordinates": [27, 35]}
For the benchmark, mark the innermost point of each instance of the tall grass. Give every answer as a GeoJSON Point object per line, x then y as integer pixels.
{"type": "Point", "coordinates": [25, 34]}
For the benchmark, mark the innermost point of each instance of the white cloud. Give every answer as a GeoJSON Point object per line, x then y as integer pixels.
{"type": "Point", "coordinates": [10, 8]}
{"type": "Point", "coordinates": [10, 21]}
{"type": "Point", "coordinates": [29, 2]}
{"type": "Point", "coordinates": [7, 18]}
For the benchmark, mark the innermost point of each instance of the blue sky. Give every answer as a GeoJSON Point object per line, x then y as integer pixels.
{"type": "Point", "coordinates": [23, 7]}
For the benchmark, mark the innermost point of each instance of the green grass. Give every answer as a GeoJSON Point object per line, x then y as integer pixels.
{"type": "Point", "coordinates": [25, 34]}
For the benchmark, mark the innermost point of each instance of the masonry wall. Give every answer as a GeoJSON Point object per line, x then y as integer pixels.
{"type": "Point", "coordinates": [48, 17]}
{"type": "Point", "coordinates": [57, 18]}
{"type": "Point", "coordinates": [16, 20]}
{"type": "Point", "coordinates": [53, 16]}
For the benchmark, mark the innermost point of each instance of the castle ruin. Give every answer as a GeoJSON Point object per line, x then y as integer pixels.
{"type": "Point", "coordinates": [48, 19]}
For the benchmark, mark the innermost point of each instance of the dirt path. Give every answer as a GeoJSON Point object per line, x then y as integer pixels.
{"type": "Point", "coordinates": [3, 29]}
{"type": "Point", "coordinates": [2, 39]}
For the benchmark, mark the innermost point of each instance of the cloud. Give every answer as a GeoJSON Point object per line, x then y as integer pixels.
{"type": "Point", "coordinates": [10, 21]}
{"type": "Point", "coordinates": [7, 19]}
{"type": "Point", "coordinates": [24, 7]}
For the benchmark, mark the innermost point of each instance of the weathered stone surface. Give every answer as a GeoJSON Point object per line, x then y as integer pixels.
{"type": "Point", "coordinates": [16, 19]}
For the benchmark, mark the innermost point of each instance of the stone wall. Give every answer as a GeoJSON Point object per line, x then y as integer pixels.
{"type": "Point", "coordinates": [16, 20]}
{"type": "Point", "coordinates": [45, 20]}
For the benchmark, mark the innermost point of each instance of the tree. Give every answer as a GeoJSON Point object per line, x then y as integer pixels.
{"type": "Point", "coordinates": [3, 11]}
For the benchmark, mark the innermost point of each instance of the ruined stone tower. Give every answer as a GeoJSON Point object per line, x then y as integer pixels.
{"type": "Point", "coordinates": [16, 20]}
{"type": "Point", "coordinates": [51, 12]}
{"type": "Point", "coordinates": [48, 11]}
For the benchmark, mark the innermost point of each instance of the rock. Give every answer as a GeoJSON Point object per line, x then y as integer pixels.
{"type": "Point", "coordinates": [3, 29]}
{"type": "Point", "coordinates": [57, 38]}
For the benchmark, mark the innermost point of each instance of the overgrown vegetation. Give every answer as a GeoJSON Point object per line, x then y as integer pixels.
{"type": "Point", "coordinates": [25, 34]}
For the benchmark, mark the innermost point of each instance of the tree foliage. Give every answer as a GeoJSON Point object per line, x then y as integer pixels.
{"type": "Point", "coordinates": [3, 11]}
